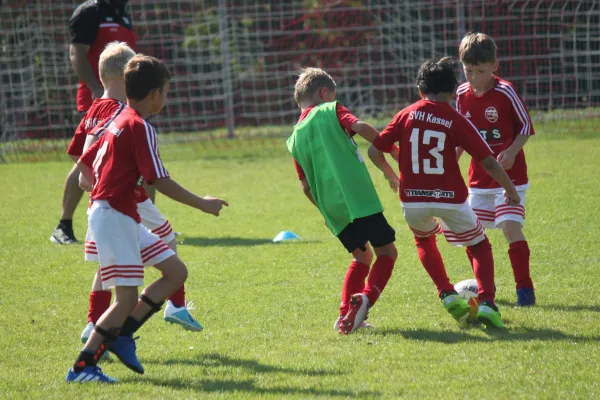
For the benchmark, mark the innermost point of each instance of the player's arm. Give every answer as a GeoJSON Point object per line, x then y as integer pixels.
{"type": "Point", "coordinates": [495, 170]}
{"type": "Point", "coordinates": [385, 143]}
{"type": "Point", "coordinates": [306, 190]}
{"type": "Point", "coordinates": [369, 133]}
{"type": "Point", "coordinates": [153, 172]}
{"type": "Point", "coordinates": [83, 69]}
{"type": "Point", "coordinates": [459, 152]}
{"type": "Point", "coordinates": [507, 157]}
{"type": "Point", "coordinates": [476, 147]}
{"type": "Point", "coordinates": [522, 125]}
{"type": "Point", "coordinates": [83, 27]}
{"type": "Point", "coordinates": [84, 164]}
{"type": "Point", "coordinates": [175, 191]}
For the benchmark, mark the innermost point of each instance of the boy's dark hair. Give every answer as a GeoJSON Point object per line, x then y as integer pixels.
{"type": "Point", "coordinates": [477, 48]}
{"type": "Point", "coordinates": [144, 74]}
{"type": "Point", "coordinates": [437, 76]}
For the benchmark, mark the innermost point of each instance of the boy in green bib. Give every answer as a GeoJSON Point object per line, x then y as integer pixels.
{"type": "Point", "coordinates": [335, 179]}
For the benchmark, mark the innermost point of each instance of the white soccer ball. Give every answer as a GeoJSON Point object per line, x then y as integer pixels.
{"type": "Point", "coordinates": [467, 289]}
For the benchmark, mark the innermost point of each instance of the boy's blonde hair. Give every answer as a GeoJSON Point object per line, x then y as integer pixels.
{"type": "Point", "coordinates": [310, 81]}
{"type": "Point", "coordinates": [113, 60]}
{"type": "Point", "coordinates": [477, 48]}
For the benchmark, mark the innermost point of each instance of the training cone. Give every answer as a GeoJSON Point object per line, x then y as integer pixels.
{"type": "Point", "coordinates": [284, 236]}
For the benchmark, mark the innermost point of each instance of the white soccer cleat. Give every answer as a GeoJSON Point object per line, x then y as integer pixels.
{"type": "Point", "coordinates": [363, 325]}
{"type": "Point", "coordinates": [181, 316]}
{"type": "Point", "coordinates": [359, 309]}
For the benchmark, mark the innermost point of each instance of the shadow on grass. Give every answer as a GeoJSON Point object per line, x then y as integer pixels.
{"type": "Point", "coordinates": [234, 241]}
{"type": "Point", "coordinates": [247, 385]}
{"type": "Point", "coordinates": [218, 360]}
{"type": "Point", "coordinates": [557, 307]}
{"type": "Point", "coordinates": [509, 335]}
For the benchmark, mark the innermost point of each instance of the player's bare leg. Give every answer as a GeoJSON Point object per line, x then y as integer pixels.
{"type": "Point", "coordinates": [518, 252]}
{"type": "Point", "coordinates": [63, 233]}
{"type": "Point", "coordinates": [177, 310]}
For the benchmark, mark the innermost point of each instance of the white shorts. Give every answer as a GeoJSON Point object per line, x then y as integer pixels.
{"type": "Point", "coordinates": [459, 225]}
{"type": "Point", "coordinates": [492, 210]}
{"type": "Point", "coordinates": [121, 246]}
{"type": "Point", "coordinates": [155, 221]}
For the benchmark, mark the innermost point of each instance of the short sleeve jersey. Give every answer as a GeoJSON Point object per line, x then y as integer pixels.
{"type": "Point", "coordinates": [100, 115]}
{"type": "Point", "coordinates": [126, 155]}
{"type": "Point", "coordinates": [428, 133]}
{"type": "Point", "coordinates": [346, 119]}
{"type": "Point", "coordinates": [97, 23]}
{"type": "Point", "coordinates": [500, 116]}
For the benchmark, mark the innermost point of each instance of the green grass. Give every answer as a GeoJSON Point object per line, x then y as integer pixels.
{"type": "Point", "coordinates": [268, 309]}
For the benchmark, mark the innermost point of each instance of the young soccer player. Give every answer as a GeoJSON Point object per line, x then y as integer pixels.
{"type": "Point", "coordinates": [103, 111]}
{"type": "Point", "coordinates": [494, 107]}
{"type": "Point", "coordinates": [116, 164]}
{"type": "Point", "coordinates": [335, 179]}
{"type": "Point", "coordinates": [431, 185]}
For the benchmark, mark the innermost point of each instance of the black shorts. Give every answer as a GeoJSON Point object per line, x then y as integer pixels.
{"type": "Point", "coordinates": [373, 229]}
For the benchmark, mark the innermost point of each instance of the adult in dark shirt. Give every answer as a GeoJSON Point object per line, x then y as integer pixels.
{"type": "Point", "coordinates": [93, 25]}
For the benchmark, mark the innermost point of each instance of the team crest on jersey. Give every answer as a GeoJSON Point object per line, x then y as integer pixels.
{"type": "Point", "coordinates": [491, 114]}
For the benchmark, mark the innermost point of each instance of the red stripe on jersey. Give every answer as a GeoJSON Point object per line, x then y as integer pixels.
{"type": "Point", "coordinates": [517, 105]}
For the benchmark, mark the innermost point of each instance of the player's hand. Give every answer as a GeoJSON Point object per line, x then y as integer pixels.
{"type": "Point", "coordinates": [213, 205]}
{"type": "Point", "coordinates": [394, 182]}
{"type": "Point", "coordinates": [395, 153]}
{"type": "Point", "coordinates": [84, 184]}
{"type": "Point", "coordinates": [506, 159]}
{"type": "Point", "coordinates": [512, 198]}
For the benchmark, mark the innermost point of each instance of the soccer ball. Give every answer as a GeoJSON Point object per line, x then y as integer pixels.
{"type": "Point", "coordinates": [467, 289]}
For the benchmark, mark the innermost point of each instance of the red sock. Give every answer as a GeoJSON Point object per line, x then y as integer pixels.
{"type": "Point", "coordinates": [518, 252]}
{"type": "Point", "coordinates": [432, 262]}
{"type": "Point", "coordinates": [354, 282]}
{"type": "Point", "coordinates": [99, 303]}
{"type": "Point", "coordinates": [178, 298]}
{"type": "Point", "coordinates": [483, 267]}
{"type": "Point", "coordinates": [378, 277]}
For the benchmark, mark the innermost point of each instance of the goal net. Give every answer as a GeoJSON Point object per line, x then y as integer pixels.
{"type": "Point", "coordinates": [235, 61]}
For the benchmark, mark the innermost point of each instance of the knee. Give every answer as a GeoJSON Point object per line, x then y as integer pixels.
{"type": "Point", "coordinates": [388, 250]}
{"type": "Point", "coordinates": [178, 273]}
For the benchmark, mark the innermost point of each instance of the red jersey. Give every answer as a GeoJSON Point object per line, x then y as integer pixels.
{"type": "Point", "coordinates": [346, 119]}
{"type": "Point", "coordinates": [500, 116]}
{"type": "Point", "coordinates": [96, 24]}
{"type": "Point", "coordinates": [101, 114]}
{"type": "Point", "coordinates": [428, 133]}
{"type": "Point", "coordinates": [125, 155]}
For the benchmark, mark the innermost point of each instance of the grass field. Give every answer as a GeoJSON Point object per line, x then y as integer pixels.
{"type": "Point", "coordinates": [268, 309]}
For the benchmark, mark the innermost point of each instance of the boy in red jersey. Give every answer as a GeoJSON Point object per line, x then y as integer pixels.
{"type": "Point", "coordinates": [431, 185]}
{"type": "Point", "coordinates": [103, 111]}
{"type": "Point", "coordinates": [494, 107]}
{"type": "Point", "coordinates": [335, 179]}
{"type": "Point", "coordinates": [117, 164]}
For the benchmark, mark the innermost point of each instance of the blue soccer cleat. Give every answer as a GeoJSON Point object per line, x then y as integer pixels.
{"type": "Point", "coordinates": [90, 373]}
{"type": "Point", "coordinates": [525, 297]}
{"type": "Point", "coordinates": [124, 348]}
